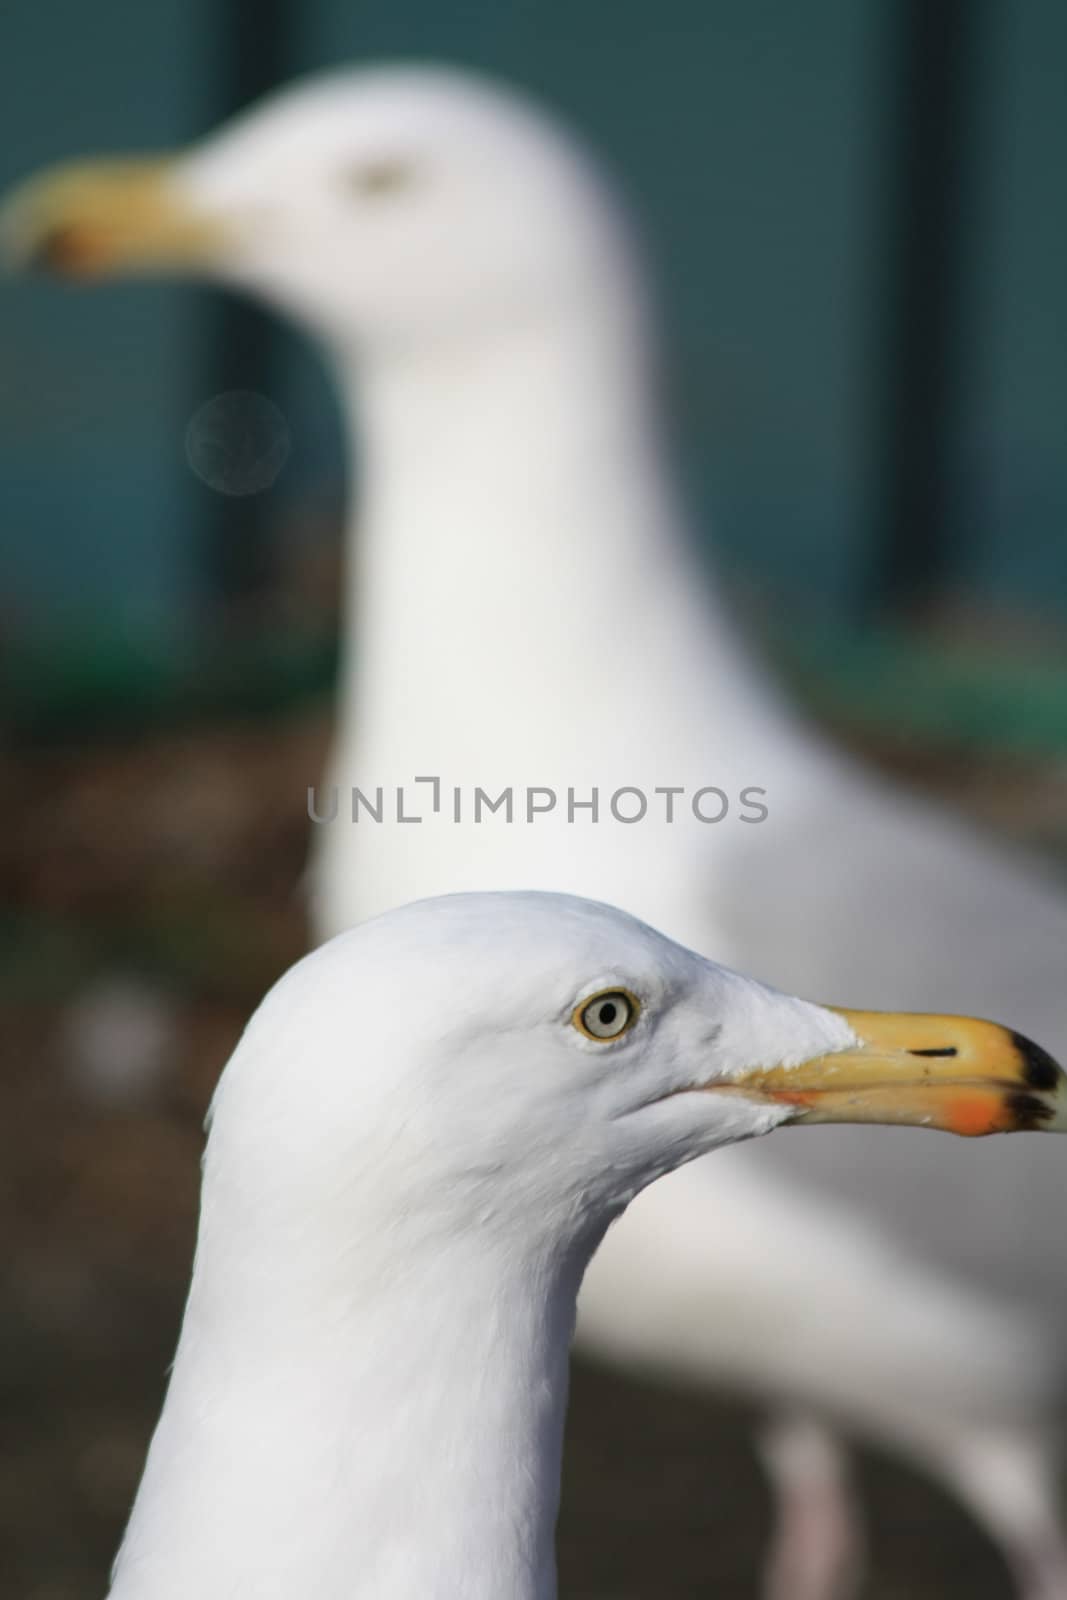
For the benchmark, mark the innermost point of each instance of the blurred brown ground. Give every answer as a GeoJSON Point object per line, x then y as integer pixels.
{"type": "Point", "coordinates": [175, 860]}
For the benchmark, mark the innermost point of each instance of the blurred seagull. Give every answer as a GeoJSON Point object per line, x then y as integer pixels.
{"type": "Point", "coordinates": [414, 1150]}
{"type": "Point", "coordinates": [524, 616]}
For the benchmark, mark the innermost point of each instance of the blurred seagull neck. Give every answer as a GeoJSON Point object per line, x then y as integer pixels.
{"type": "Point", "coordinates": [529, 467]}
{"type": "Point", "coordinates": [487, 430]}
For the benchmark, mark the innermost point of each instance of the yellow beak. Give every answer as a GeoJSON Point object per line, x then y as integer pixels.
{"type": "Point", "coordinates": [956, 1073]}
{"type": "Point", "coordinates": [94, 218]}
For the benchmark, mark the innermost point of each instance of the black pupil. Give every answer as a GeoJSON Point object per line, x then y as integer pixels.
{"type": "Point", "coordinates": [608, 1012]}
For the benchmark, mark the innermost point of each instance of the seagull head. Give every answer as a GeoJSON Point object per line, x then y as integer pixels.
{"type": "Point", "coordinates": [530, 1061]}
{"type": "Point", "coordinates": [380, 205]}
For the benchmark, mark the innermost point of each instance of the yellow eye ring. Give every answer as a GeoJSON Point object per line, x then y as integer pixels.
{"type": "Point", "coordinates": [607, 1015]}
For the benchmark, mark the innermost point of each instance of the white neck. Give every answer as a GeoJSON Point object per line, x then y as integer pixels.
{"type": "Point", "coordinates": [523, 609]}
{"type": "Point", "coordinates": [381, 1422]}
{"type": "Point", "coordinates": [529, 468]}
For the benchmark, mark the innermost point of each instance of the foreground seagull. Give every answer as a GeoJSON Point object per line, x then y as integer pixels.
{"type": "Point", "coordinates": [528, 621]}
{"type": "Point", "coordinates": [414, 1151]}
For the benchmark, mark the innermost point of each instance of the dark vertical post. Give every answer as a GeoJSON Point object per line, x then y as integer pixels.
{"type": "Point", "coordinates": [926, 211]}
{"type": "Point", "coordinates": [243, 341]}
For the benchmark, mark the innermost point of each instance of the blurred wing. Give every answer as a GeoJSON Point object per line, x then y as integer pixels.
{"type": "Point", "coordinates": [900, 906]}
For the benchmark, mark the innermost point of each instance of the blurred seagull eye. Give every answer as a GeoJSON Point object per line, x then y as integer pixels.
{"type": "Point", "coordinates": [607, 1015]}
{"type": "Point", "coordinates": [385, 176]}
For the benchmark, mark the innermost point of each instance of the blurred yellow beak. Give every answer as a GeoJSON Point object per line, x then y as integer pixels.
{"type": "Point", "coordinates": [955, 1073]}
{"type": "Point", "coordinates": [94, 218]}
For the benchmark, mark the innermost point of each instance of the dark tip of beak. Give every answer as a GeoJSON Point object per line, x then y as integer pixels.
{"type": "Point", "coordinates": [1041, 1071]}
{"type": "Point", "coordinates": [55, 250]}
{"type": "Point", "coordinates": [1028, 1113]}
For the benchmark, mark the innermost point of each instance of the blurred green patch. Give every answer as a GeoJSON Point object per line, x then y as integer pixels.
{"type": "Point", "coordinates": [213, 944]}
{"type": "Point", "coordinates": [890, 679]}
{"type": "Point", "coordinates": [894, 681]}
{"type": "Point", "coordinates": [108, 682]}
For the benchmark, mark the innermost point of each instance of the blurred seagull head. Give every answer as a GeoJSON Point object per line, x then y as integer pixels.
{"type": "Point", "coordinates": [384, 206]}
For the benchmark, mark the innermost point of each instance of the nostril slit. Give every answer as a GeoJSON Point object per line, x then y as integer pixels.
{"type": "Point", "coordinates": [940, 1050]}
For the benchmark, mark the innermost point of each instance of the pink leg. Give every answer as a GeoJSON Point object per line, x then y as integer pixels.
{"type": "Point", "coordinates": [816, 1548]}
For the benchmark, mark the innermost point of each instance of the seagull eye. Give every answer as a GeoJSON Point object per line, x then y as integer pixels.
{"type": "Point", "coordinates": [387, 175]}
{"type": "Point", "coordinates": [607, 1015]}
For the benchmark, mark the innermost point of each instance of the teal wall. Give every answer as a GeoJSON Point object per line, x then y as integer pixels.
{"type": "Point", "coordinates": [757, 140]}
{"type": "Point", "coordinates": [97, 511]}
{"type": "Point", "coordinates": [1013, 435]}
